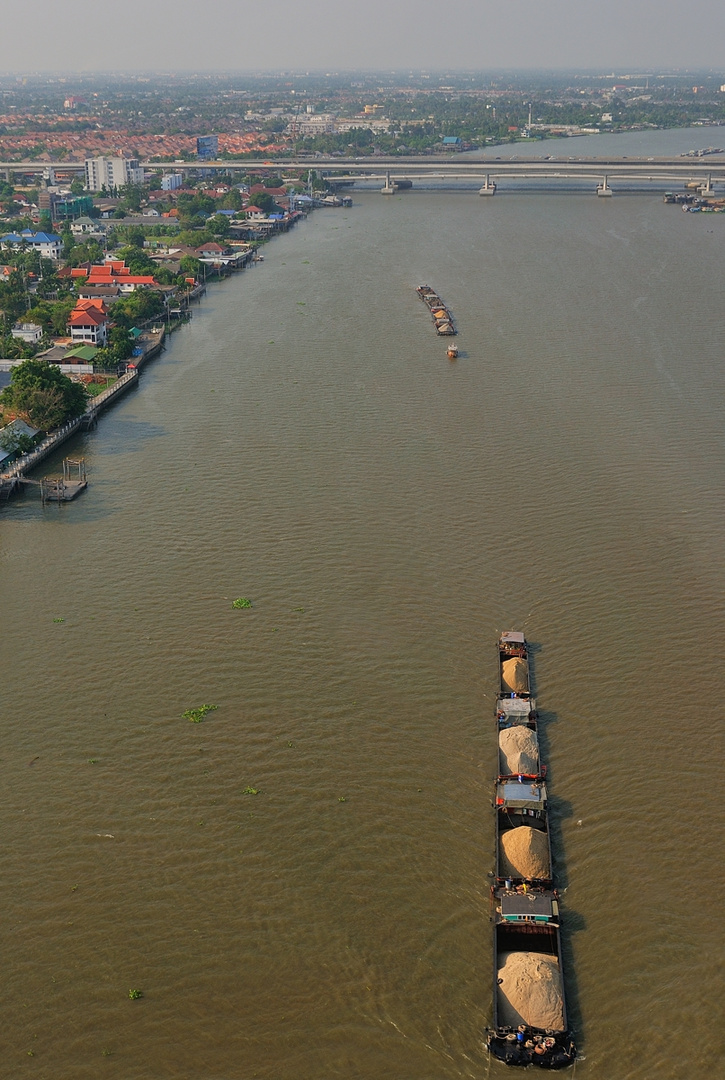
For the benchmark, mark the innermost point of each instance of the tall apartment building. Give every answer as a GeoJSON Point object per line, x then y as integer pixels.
{"type": "Point", "coordinates": [172, 182]}
{"type": "Point", "coordinates": [207, 147]}
{"type": "Point", "coordinates": [112, 172]}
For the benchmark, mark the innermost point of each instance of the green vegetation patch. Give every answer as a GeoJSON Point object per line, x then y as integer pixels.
{"type": "Point", "coordinates": [96, 388]}
{"type": "Point", "coordinates": [241, 602]}
{"type": "Point", "coordinates": [197, 715]}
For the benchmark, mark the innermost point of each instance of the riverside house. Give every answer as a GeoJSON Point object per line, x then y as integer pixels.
{"type": "Point", "coordinates": [88, 323]}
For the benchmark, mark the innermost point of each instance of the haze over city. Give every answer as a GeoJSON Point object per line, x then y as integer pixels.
{"type": "Point", "coordinates": [227, 35]}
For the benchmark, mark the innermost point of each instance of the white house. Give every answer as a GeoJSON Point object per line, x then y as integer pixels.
{"type": "Point", "coordinates": [88, 326]}
{"type": "Point", "coordinates": [48, 245]}
{"type": "Point", "coordinates": [28, 331]}
{"type": "Point", "coordinates": [85, 226]}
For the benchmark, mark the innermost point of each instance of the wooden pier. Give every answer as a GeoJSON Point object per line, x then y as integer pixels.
{"type": "Point", "coordinates": [68, 486]}
{"type": "Point", "coordinates": [15, 476]}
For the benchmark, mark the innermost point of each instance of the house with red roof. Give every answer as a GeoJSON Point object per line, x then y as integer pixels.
{"type": "Point", "coordinates": [117, 273]}
{"type": "Point", "coordinates": [210, 250]}
{"type": "Point", "coordinates": [88, 323]}
{"type": "Point", "coordinates": [254, 213]}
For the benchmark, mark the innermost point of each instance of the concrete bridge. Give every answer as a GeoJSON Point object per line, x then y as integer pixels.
{"type": "Point", "coordinates": [602, 171]}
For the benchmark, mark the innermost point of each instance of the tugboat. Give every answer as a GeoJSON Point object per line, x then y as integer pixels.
{"type": "Point", "coordinates": [452, 351]}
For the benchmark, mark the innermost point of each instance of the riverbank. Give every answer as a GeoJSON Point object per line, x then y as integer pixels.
{"type": "Point", "coordinates": [150, 344]}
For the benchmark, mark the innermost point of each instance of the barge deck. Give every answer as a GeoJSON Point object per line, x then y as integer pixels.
{"type": "Point", "coordinates": [530, 1023]}
{"type": "Point", "coordinates": [442, 318]}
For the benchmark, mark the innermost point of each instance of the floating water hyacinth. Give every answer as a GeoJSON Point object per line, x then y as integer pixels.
{"type": "Point", "coordinates": [197, 715]}
{"type": "Point", "coordinates": [241, 602]}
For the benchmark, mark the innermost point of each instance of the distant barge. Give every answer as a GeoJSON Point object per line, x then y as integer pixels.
{"type": "Point", "coordinates": [440, 314]}
{"type": "Point", "coordinates": [530, 1025]}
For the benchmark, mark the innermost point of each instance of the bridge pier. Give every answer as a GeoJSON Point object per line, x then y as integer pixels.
{"type": "Point", "coordinates": [603, 189]}
{"type": "Point", "coordinates": [706, 188]}
{"type": "Point", "coordinates": [390, 186]}
{"type": "Point", "coordinates": [489, 188]}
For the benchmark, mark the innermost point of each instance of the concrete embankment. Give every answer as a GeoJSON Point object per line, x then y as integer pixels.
{"type": "Point", "coordinates": [151, 343]}
{"type": "Point", "coordinates": [14, 475]}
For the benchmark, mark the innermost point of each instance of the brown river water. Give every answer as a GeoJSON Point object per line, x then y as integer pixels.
{"type": "Point", "coordinates": [304, 442]}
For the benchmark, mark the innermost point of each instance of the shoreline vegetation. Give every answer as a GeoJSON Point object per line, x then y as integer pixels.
{"type": "Point", "coordinates": [29, 446]}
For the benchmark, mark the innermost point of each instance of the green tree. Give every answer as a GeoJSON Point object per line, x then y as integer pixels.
{"type": "Point", "coordinates": [15, 349]}
{"type": "Point", "coordinates": [118, 349]}
{"type": "Point", "coordinates": [194, 237]}
{"type": "Point", "coordinates": [190, 205]}
{"type": "Point", "coordinates": [191, 266]}
{"type": "Point", "coordinates": [232, 200]}
{"type": "Point", "coordinates": [41, 395]}
{"type": "Point", "coordinates": [218, 225]}
{"type": "Point", "coordinates": [135, 236]}
{"type": "Point", "coordinates": [89, 251]}
{"type": "Point", "coordinates": [138, 307]}
{"type": "Point", "coordinates": [13, 297]}
{"type": "Point", "coordinates": [264, 201]}
{"type": "Point", "coordinates": [132, 196]}
{"type": "Point", "coordinates": [137, 260]}
{"type": "Point", "coordinates": [68, 240]}
{"type": "Point", "coordinates": [16, 442]}
{"type": "Point", "coordinates": [77, 187]}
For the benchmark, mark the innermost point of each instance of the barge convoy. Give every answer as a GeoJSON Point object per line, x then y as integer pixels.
{"type": "Point", "coordinates": [530, 1023]}
{"type": "Point", "coordinates": [440, 314]}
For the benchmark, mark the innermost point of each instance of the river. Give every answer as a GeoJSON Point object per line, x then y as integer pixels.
{"type": "Point", "coordinates": [298, 884]}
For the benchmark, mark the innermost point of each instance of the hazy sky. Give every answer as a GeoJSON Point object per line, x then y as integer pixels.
{"type": "Point", "coordinates": [330, 35]}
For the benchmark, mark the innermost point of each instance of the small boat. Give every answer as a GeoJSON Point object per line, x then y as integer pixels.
{"type": "Point", "coordinates": [452, 351]}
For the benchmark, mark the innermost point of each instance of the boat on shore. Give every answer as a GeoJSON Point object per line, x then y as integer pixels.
{"type": "Point", "coordinates": [442, 318]}
{"type": "Point", "coordinates": [530, 1024]}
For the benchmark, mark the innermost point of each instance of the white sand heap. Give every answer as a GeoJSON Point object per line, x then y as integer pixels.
{"type": "Point", "coordinates": [530, 991]}
{"type": "Point", "coordinates": [515, 675]}
{"type": "Point", "coordinates": [524, 853]}
{"type": "Point", "coordinates": [519, 751]}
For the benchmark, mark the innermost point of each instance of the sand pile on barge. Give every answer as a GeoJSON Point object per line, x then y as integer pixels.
{"type": "Point", "coordinates": [515, 675]}
{"type": "Point", "coordinates": [519, 751]}
{"type": "Point", "coordinates": [530, 991]}
{"type": "Point", "coordinates": [524, 853]}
